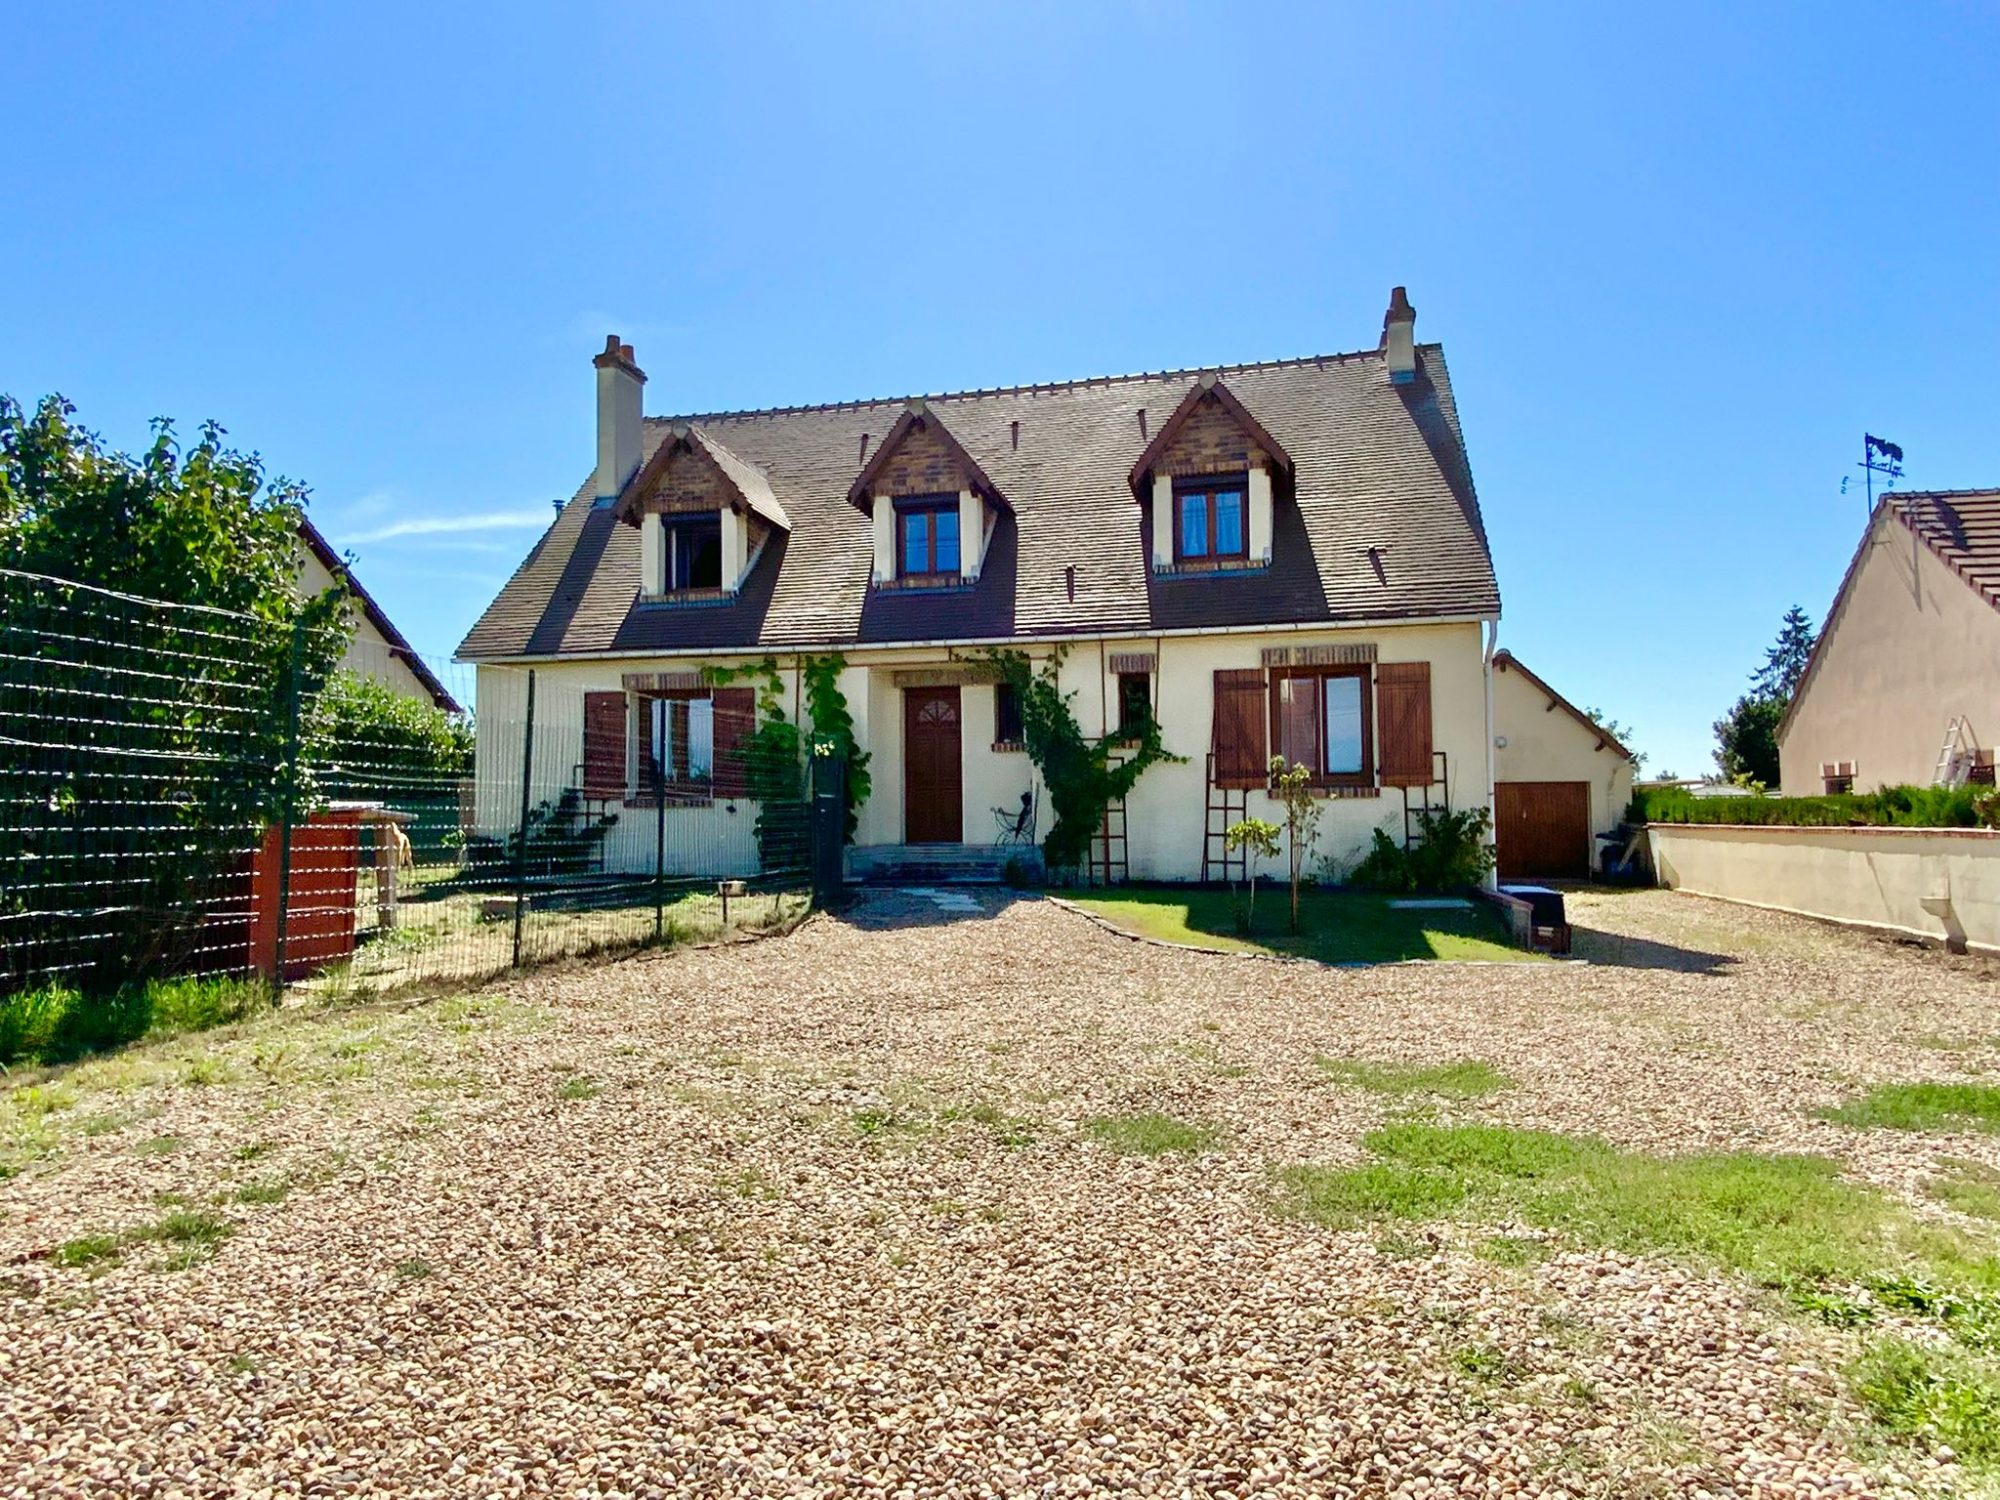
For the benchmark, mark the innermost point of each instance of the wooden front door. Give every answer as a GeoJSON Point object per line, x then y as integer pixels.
{"type": "Point", "coordinates": [933, 790]}
{"type": "Point", "coordinates": [1542, 829]}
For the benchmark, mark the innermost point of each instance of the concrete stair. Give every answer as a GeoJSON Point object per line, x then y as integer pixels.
{"type": "Point", "coordinates": [935, 864]}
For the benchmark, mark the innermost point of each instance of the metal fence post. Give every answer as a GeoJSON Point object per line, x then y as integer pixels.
{"type": "Point", "coordinates": [521, 836]}
{"type": "Point", "coordinates": [288, 793]}
{"type": "Point", "coordinates": [659, 851]}
{"type": "Point", "coordinates": [828, 827]}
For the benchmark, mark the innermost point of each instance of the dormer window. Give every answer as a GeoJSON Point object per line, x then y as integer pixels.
{"type": "Point", "coordinates": [927, 542]}
{"type": "Point", "coordinates": [1209, 519]}
{"type": "Point", "coordinates": [692, 548]}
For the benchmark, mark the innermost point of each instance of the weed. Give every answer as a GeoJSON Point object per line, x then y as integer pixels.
{"type": "Point", "coordinates": [579, 1087]}
{"type": "Point", "coordinates": [88, 1250]}
{"type": "Point", "coordinates": [1150, 1134]}
{"type": "Point", "coordinates": [748, 1183]}
{"type": "Point", "coordinates": [414, 1270]}
{"type": "Point", "coordinates": [191, 1235]}
{"type": "Point", "coordinates": [242, 1364]}
{"type": "Point", "coordinates": [1395, 1246]}
{"type": "Point", "coordinates": [1465, 1079]}
{"type": "Point", "coordinates": [1936, 1395]}
{"type": "Point", "coordinates": [206, 1069]}
{"type": "Point", "coordinates": [265, 1190]}
{"type": "Point", "coordinates": [1485, 1362]}
{"type": "Point", "coordinates": [1511, 1250]}
{"type": "Point", "coordinates": [159, 1145]}
{"type": "Point", "coordinates": [1921, 1106]}
{"type": "Point", "coordinates": [1970, 1188]}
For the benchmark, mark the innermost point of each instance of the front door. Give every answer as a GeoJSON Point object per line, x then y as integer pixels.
{"type": "Point", "coordinates": [933, 810]}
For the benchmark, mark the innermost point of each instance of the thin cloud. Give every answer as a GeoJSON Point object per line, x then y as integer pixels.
{"type": "Point", "coordinates": [483, 520]}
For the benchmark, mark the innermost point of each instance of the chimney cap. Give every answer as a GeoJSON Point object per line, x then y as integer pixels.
{"type": "Point", "coordinates": [618, 355]}
{"type": "Point", "coordinates": [1400, 310]}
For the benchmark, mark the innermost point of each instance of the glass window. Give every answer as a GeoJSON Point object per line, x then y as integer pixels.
{"type": "Point", "coordinates": [1006, 715]}
{"type": "Point", "coordinates": [1298, 721]}
{"type": "Point", "coordinates": [694, 552]}
{"type": "Point", "coordinates": [927, 536]}
{"type": "Point", "coordinates": [1346, 755]}
{"type": "Point", "coordinates": [944, 541]}
{"type": "Point", "coordinates": [682, 739]}
{"type": "Point", "coordinates": [1228, 523]}
{"type": "Point", "coordinates": [1135, 703]}
{"type": "Point", "coordinates": [1194, 526]}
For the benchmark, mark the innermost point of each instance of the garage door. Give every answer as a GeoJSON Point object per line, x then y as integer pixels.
{"type": "Point", "coordinates": [1542, 829]}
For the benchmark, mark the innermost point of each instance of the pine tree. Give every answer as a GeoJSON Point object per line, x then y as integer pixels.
{"type": "Point", "coordinates": [1785, 662]}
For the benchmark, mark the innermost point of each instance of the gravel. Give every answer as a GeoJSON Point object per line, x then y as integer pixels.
{"type": "Point", "coordinates": [817, 1215]}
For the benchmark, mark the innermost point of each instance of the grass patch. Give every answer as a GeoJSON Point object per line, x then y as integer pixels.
{"type": "Point", "coordinates": [414, 1270]}
{"type": "Point", "coordinates": [1336, 927]}
{"type": "Point", "coordinates": [189, 1236]}
{"type": "Point", "coordinates": [53, 1024]}
{"type": "Point", "coordinates": [265, 1190]}
{"type": "Point", "coordinates": [1150, 1135]}
{"type": "Point", "coordinates": [88, 1250]}
{"type": "Point", "coordinates": [1780, 1219]}
{"type": "Point", "coordinates": [1511, 1250]}
{"type": "Point", "coordinates": [1467, 1079]}
{"type": "Point", "coordinates": [579, 1088]}
{"type": "Point", "coordinates": [1937, 1395]}
{"type": "Point", "coordinates": [1970, 1188]}
{"type": "Point", "coordinates": [1921, 1106]}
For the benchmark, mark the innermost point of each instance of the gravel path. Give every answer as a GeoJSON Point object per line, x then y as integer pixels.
{"type": "Point", "coordinates": [817, 1216]}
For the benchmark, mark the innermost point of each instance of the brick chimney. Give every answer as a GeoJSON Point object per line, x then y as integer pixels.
{"type": "Point", "coordinates": [1399, 338]}
{"type": "Point", "coordinates": [620, 411]}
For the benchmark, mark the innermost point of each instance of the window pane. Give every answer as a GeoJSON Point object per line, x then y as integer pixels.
{"type": "Point", "coordinates": [1135, 701]}
{"type": "Point", "coordinates": [694, 553]}
{"type": "Point", "coordinates": [944, 527]}
{"type": "Point", "coordinates": [1343, 725]}
{"type": "Point", "coordinates": [1298, 721]}
{"type": "Point", "coordinates": [657, 742]}
{"type": "Point", "coordinates": [1228, 523]}
{"type": "Point", "coordinates": [916, 541]}
{"type": "Point", "coordinates": [701, 739]}
{"type": "Point", "coordinates": [1194, 526]}
{"type": "Point", "coordinates": [1006, 713]}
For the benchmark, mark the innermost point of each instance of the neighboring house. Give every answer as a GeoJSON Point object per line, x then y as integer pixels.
{"type": "Point", "coordinates": [1904, 684]}
{"type": "Point", "coordinates": [378, 649]}
{"type": "Point", "coordinates": [1279, 557]}
{"type": "Point", "coordinates": [1559, 779]}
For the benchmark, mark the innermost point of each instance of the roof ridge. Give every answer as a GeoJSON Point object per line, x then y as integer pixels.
{"type": "Point", "coordinates": [1992, 490]}
{"type": "Point", "coordinates": [1034, 387]}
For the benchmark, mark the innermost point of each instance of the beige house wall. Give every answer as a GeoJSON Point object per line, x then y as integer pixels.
{"type": "Point", "coordinates": [368, 653]}
{"type": "Point", "coordinates": [1910, 645]}
{"type": "Point", "coordinates": [1164, 817]}
{"type": "Point", "coordinates": [1941, 884]}
{"type": "Point", "coordinates": [1546, 743]}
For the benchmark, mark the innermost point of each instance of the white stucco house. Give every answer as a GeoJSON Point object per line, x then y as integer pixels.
{"type": "Point", "coordinates": [1284, 557]}
{"type": "Point", "coordinates": [377, 648]}
{"type": "Point", "coordinates": [1560, 779]}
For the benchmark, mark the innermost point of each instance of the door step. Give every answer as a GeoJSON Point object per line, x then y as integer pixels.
{"type": "Point", "coordinates": [936, 864]}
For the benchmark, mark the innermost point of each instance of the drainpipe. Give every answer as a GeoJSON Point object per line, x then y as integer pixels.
{"type": "Point", "coordinates": [1492, 638]}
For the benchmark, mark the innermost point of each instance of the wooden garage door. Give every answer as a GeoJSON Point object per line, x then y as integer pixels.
{"type": "Point", "coordinates": [1542, 829]}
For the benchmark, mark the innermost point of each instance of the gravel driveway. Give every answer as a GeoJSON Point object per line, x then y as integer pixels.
{"type": "Point", "coordinates": [820, 1215]}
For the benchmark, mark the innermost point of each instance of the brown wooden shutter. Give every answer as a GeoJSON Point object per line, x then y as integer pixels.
{"type": "Point", "coordinates": [604, 745]}
{"type": "Point", "coordinates": [1403, 717]}
{"type": "Point", "coordinates": [1238, 740]}
{"type": "Point", "coordinates": [735, 722]}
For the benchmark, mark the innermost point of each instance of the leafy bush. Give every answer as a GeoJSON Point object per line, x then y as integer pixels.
{"type": "Point", "coordinates": [363, 735]}
{"type": "Point", "coordinates": [1451, 852]}
{"type": "Point", "coordinates": [1891, 807]}
{"type": "Point", "coordinates": [53, 1024]}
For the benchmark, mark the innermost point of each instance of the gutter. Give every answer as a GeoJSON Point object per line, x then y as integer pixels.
{"type": "Point", "coordinates": [1023, 642]}
{"type": "Point", "coordinates": [1491, 880]}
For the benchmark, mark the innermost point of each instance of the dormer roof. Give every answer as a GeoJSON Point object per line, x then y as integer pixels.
{"type": "Point", "coordinates": [752, 485]}
{"type": "Point", "coordinates": [917, 417]}
{"type": "Point", "coordinates": [1208, 389]}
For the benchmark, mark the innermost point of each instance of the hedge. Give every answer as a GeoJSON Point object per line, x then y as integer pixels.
{"type": "Point", "coordinates": [1891, 807]}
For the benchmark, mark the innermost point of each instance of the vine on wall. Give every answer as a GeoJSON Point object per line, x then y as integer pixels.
{"type": "Point", "coordinates": [776, 748]}
{"type": "Point", "coordinates": [833, 729]}
{"type": "Point", "coordinates": [1082, 776]}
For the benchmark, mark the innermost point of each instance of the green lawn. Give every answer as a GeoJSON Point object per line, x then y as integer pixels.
{"type": "Point", "coordinates": [1335, 927]}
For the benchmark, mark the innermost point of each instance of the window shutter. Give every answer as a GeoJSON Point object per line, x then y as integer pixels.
{"type": "Point", "coordinates": [735, 722]}
{"type": "Point", "coordinates": [1403, 712]}
{"type": "Point", "coordinates": [604, 717]}
{"type": "Point", "coordinates": [1238, 740]}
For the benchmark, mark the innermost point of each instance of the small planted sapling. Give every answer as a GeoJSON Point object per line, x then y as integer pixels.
{"type": "Point", "coordinates": [1258, 840]}
{"type": "Point", "coordinates": [1292, 786]}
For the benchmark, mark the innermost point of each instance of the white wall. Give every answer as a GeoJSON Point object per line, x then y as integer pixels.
{"type": "Point", "coordinates": [369, 653]}
{"type": "Point", "coordinates": [1547, 744]}
{"type": "Point", "coordinates": [1942, 884]}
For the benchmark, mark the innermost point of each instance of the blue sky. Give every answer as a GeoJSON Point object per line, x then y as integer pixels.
{"type": "Point", "coordinates": [1679, 260]}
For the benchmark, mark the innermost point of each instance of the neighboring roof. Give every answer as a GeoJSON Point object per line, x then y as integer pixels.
{"type": "Point", "coordinates": [335, 564]}
{"type": "Point", "coordinates": [750, 481]}
{"type": "Point", "coordinates": [1960, 527]}
{"type": "Point", "coordinates": [916, 417]}
{"type": "Point", "coordinates": [1507, 661]}
{"type": "Point", "coordinates": [1375, 466]}
{"type": "Point", "coordinates": [1207, 387]}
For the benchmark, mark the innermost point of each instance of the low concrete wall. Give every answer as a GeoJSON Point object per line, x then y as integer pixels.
{"type": "Point", "coordinates": [1937, 883]}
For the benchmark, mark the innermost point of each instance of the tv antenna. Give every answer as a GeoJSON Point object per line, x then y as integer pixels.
{"type": "Point", "coordinates": [1878, 456]}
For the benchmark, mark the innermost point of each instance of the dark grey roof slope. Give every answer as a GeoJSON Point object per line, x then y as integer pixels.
{"type": "Point", "coordinates": [1377, 466]}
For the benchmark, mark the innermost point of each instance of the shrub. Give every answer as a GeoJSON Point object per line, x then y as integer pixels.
{"type": "Point", "coordinates": [53, 1024]}
{"type": "Point", "coordinates": [1451, 853]}
{"type": "Point", "coordinates": [1890, 807]}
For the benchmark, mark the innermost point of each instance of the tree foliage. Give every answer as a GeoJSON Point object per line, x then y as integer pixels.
{"type": "Point", "coordinates": [1785, 660]}
{"type": "Point", "coordinates": [1084, 775]}
{"type": "Point", "coordinates": [1292, 786]}
{"type": "Point", "coordinates": [362, 732]}
{"type": "Point", "coordinates": [1746, 738]}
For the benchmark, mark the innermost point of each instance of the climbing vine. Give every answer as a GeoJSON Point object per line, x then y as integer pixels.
{"type": "Point", "coordinates": [833, 729]}
{"type": "Point", "coordinates": [772, 771]}
{"type": "Point", "coordinates": [1082, 776]}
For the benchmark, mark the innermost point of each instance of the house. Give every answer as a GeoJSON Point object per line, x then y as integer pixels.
{"type": "Point", "coordinates": [1281, 557]}
{"type": "Point", "coordinates": [1903, 686]}
{"type": "Point", "coordinates": [1560, 779]}
{"type": "Point", "coordinates": [377, 649]}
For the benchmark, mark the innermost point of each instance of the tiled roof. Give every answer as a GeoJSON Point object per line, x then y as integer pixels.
{"type": "Point", "coordinates": [1376, 467]}
{"type": "Point", "coordinates": [1963, 528]}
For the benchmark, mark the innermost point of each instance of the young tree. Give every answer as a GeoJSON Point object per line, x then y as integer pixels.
{"type": "Point", "coordinates": [1292, 785]}
{"type": "Point", "coordinates": [1746, 740]}
{"type": "Point", "coordinates": [1257, 839]}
